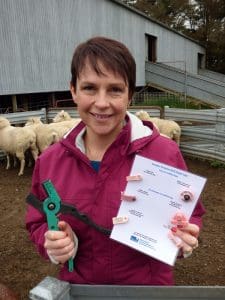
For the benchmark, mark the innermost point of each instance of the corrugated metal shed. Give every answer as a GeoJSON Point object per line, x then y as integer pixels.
{"type": "Point", "coordinates": [37, 40]}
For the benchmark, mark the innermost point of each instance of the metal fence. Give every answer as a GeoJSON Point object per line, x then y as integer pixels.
{"type": "Point", "coordinates": [205, 140]}
{"type": "Point", "coordinates": [212, 116]}
{"type": "Point", "coordinates": [203, 88]}
{"type": "Point", "coordinates": [20, 118]}
{"type": "Point", "coordinates": [155, 111]}
{"type": "Point", "coordinates": [54, 289]}
{"type": "Point", "coordinates": [157, 98]}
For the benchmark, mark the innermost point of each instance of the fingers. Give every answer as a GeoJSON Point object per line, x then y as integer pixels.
{"type": "Point", "coordinates": [61, 251]}
{"type": "Point", "coordinates": [61, 255]}
{"type": "Point", "coordinates": [184, 240]}
{"type": "Point", "coordinates": [63, 226]}
{"type": "Point", "coordinates": [184, 234]}
{"type": "Point", "coordinates": [64, 230]}
{"type": "Point", "coordinates": [55, 235]}
{"type": "Point", "coordinates": [60, 245]}
{"type": "Point", "coordinates": [187, 238]}
{"type": "Point", "coordinates": [193, 229]}
{"type": "Point", "coordinates": [63, 258]}
{"type": "Point", "coordinates": [186, 247]}
{"type": "Point", "coordinates": [60, 242]}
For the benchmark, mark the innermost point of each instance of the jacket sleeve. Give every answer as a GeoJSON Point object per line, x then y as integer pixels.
{"type": "Point", "coordinates": [199, 210]}
{"type": "Point", "coordinates": [35, 221]}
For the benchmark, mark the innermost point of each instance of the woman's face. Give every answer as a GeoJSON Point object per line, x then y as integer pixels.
{"type": "Point", "coordinates": [102, 101]}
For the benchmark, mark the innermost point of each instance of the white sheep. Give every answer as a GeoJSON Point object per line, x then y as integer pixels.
{"type": "Point", "coordinates": [34, 122]}
{"type": "Point", "coordinates": [167, 128]}
{"type": "Point", "coordinates": [48, 134]}
{"type": "Point", "coordinates": [65, 116]}
{"type": "Point", "coordinates": [62, 116]}
{"type": "Point", "coordinates": [16, 141]}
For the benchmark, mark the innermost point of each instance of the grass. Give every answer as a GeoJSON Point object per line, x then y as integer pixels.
{"type": "Point", "coordinates": [164, 99]}
{"type": "Point", "coordinates": [217, 164]}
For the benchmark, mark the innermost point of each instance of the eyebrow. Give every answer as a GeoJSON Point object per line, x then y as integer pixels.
{"type": "Point", "coordinates": [121, 84]}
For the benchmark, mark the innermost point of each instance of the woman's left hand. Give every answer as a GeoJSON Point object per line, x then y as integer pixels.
{"type": "Point", "coordinates": [184, 235]}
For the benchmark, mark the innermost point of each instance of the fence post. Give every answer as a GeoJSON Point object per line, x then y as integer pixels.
{"type": "Point", "coordinates": [50, 288]}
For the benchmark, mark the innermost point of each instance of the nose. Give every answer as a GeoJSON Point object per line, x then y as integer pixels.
{"type": "Point", "coordinates": [101, 100]}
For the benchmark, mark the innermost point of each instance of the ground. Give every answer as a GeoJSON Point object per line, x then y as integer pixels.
{"type": "Point", "coordinates": [21, 268]}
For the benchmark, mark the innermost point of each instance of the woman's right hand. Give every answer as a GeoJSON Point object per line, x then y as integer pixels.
{"type": "Point", "coordinates": [62, 244]}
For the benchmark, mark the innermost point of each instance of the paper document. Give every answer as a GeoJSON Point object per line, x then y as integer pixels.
{"type": "Point", "coordinates": [159, 195]}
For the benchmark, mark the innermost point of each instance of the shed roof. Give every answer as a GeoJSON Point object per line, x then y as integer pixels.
{"type": "Point", "coordinates": [119, 2]}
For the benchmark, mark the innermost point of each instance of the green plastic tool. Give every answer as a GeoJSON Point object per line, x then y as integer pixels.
{"type": "Point", "coordinates": [51, 207]}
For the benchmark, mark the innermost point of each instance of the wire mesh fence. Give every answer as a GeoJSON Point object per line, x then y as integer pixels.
{"type": "Point", "coordinates": [158, 98]}
{"type": "Point", "coordinates": [175, 100]}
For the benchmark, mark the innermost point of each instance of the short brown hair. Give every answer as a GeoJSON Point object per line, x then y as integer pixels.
{"type": "Point", "coordinates": [114, 55]}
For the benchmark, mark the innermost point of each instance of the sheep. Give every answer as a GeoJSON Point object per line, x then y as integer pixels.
{"type": "Point", "coordinates": [15, 141]}
{"type": "Point", "coordinates": [48, 134]}
{"type": "Point", "coordinates": [61, 116]}
{"type": "Point", "coordinates": [34, 122]}
{"type": "Point", "coordinates": [168, 128]}
{"type": "Point", "coordinates": [64, 116]}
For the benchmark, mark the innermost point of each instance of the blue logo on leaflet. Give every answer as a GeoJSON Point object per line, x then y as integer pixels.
{"type": "Point", "coordinates": [134, 238]}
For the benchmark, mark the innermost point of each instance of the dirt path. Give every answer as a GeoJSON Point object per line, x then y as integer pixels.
{"type": "Point", "coordinates": [21, 268]}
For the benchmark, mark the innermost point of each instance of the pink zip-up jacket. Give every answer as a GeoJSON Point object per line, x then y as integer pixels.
{"type": "Point", "coordinates": [101, 260]}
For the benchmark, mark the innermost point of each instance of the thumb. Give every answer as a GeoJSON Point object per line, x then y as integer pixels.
{"type": "Point", "coordinates": [64, 226]}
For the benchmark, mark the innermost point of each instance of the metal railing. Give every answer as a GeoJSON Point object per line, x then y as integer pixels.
{"type": "Point", "coordinates": [22, 117]}
{"type": "Point", "coordinates": [203, 115]}
{"type": "Point", "coordinates": [54, 289]}
{"type": "Point", "coordinates": [199, 87]}
{"type": "Point", "coordinates": [206, 140]}
{"type": "Point", "coordinates": [155, 111]}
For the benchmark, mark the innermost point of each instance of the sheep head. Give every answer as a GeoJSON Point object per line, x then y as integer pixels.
{"type": "Point", "coordinates": [33, 121]}
{"type": "Point", "coordinates": [62, 116]}
{"type": "Point", "coordinates": [4, 122]}
{"type": "Point", "coordinates": [143, 115]}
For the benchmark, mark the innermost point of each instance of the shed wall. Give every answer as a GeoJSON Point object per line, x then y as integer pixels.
{"type": "Point", "coordinates": [37, 40]}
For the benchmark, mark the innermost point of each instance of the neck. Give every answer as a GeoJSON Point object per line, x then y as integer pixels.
{"type": "Point", "coordinates": [96, 147]}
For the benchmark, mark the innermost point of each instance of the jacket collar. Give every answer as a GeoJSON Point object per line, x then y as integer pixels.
{"type": "Point", "coordinates": [134, 135]}
{"type": "Point", "coordinates": [138, 129]}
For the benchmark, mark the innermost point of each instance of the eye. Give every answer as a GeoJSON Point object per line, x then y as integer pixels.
{"type": "Point", "coordinates": [88, 87]}
{"type": "Point", "coordinates": [116, 90]}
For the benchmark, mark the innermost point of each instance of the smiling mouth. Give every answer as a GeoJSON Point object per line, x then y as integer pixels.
{"type": "Point", "coordinates": [101, 116]}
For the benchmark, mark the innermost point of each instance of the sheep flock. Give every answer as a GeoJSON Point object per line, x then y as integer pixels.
{"type": "Point", "coordinates": [35, 136]}
{"type": "Point", "coordinates": [167, 128]}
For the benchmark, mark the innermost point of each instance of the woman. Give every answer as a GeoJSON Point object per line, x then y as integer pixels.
{"type": "Point", "coordinates": [89, 168]}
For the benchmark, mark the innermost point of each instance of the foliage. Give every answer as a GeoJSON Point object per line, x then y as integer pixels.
{"type": "Point", "coordinates": [169, 12]}
{"type": "Point", "coordinates": [202, 20]}
{"type": "Point", "coordinates": [217, 164]}
{"type": "Point", "coordinates": [209, 29]}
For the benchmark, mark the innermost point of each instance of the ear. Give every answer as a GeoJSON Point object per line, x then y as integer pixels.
{"type": "Point", "coordinates": [73, 92]}
{"type": "Point", "coordinates": [129, 102]}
